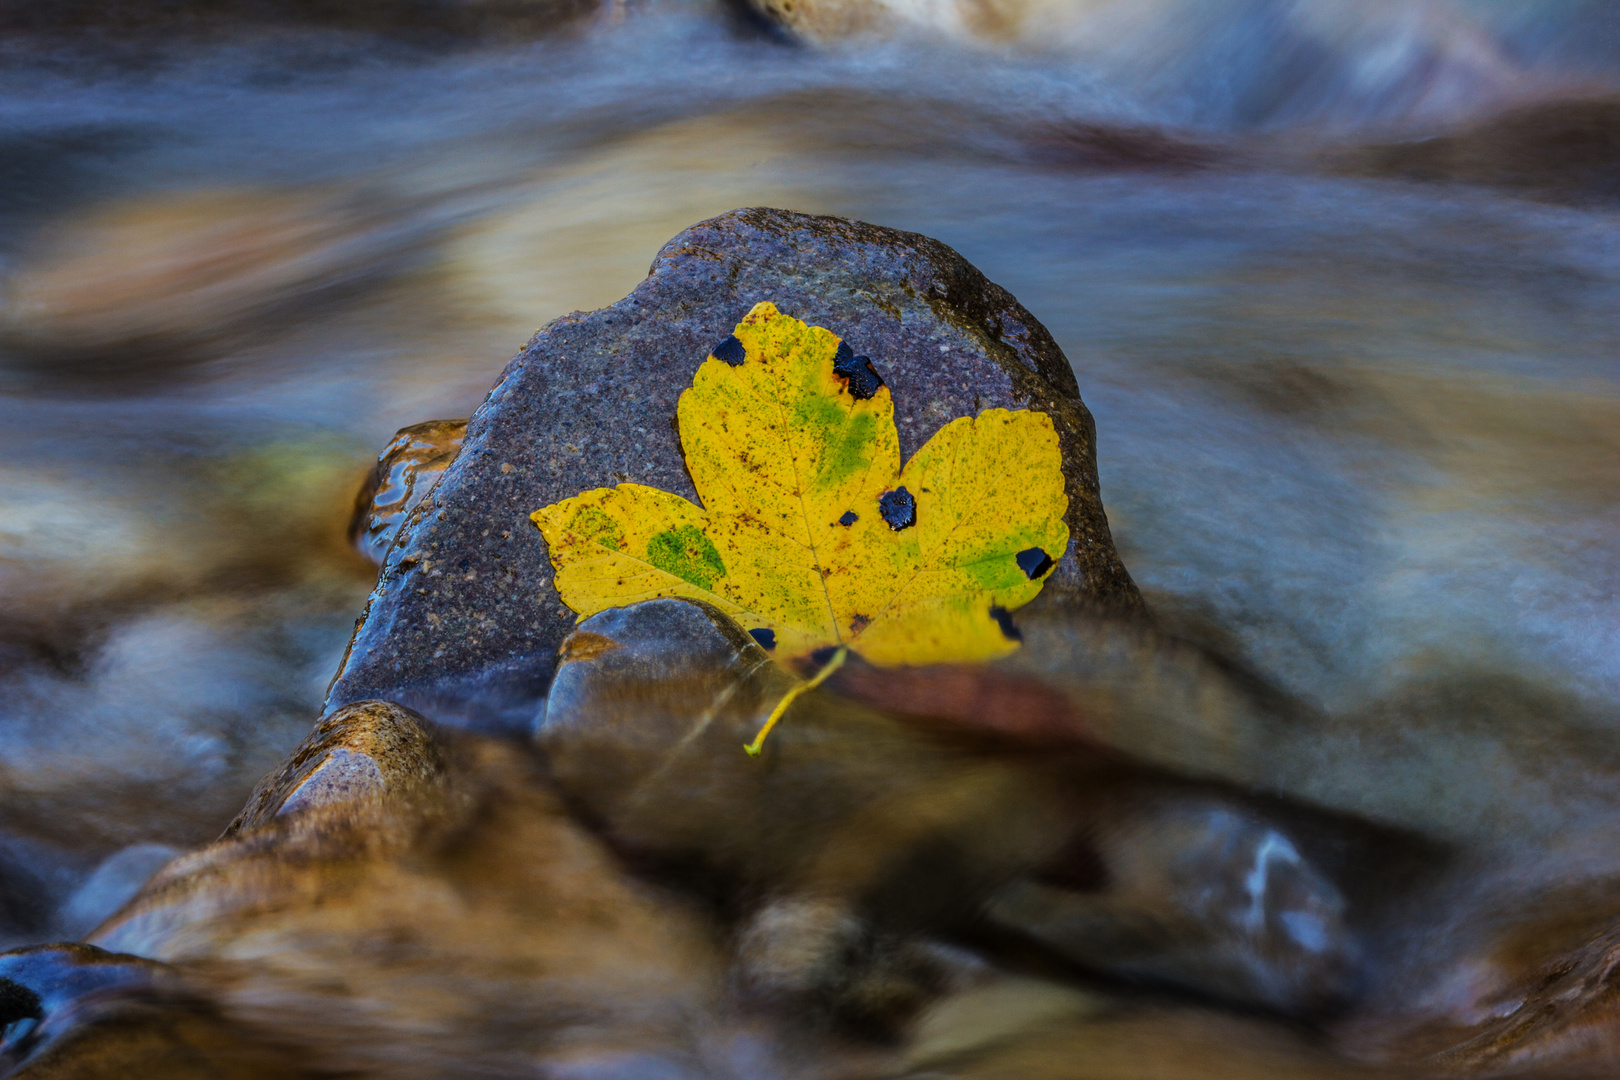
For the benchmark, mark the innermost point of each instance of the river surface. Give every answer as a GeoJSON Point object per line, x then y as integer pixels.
{"type": "Point", "coordinates": [1358, 425]}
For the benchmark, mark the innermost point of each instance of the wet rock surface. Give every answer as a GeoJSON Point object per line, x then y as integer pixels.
{"type": "Point", "coordinates": [1142, 1043]}
{"type": "Point", "coordinates": [880, 808]}
{"type": "Point", "coordinates": [446, 918]}
{"type": "Point", "coordinates": [1534, 986]}
{"type": "Point", "coordinates": [46, 990]}
{"type": "Point", "coordinates": [367, 752]}
{"type": "Point", "coordinates": [645, 726]}
{"type": "Point", "coordinates": [464, 622]}
{"type": "Point", "coordinates": [906, 883]}
{"type": "Point", "coordinates": [407, 469]}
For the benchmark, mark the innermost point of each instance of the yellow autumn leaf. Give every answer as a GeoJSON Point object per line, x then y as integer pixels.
{"type": "Point", "coordinates": [810, 533]}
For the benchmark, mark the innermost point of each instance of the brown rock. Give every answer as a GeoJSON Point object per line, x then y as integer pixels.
{"type": "Point", "coordinates": [407, 469]}
{"type": "Point", "coordinates": [372, 750]}
{"type": "Point", "coordinates": [446, 918]}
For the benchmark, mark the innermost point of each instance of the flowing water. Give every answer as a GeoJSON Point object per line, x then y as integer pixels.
{"type": "Point", "coordinates": [1349, 338]}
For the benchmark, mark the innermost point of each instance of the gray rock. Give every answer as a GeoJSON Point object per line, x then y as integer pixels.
{"type": "Point", "coordinates": [851, 848]}
{"type": "Point", "coordinates": [464, 622]}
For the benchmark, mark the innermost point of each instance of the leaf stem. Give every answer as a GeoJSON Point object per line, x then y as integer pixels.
{"type": "Point", "coordinates": [833, 663]}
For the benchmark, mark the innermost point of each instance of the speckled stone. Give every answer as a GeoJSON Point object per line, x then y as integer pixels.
{"type": "Point", "coordinates": [464, 623]}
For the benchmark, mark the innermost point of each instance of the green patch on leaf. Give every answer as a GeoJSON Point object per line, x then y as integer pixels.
{"type": "Point", "coordinates": [686, 553]}
{"type": "Point", "coordinates": [791, 537]}
{"type": "Point", "coordinates": [593, 526]}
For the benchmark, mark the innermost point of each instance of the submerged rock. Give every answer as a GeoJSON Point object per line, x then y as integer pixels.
{"type": "Point", "coordinates": [464, 622]}
{"type": "Point", "coordinates": [51, 996]}
{"type": "Point", "coordinates": [1536, 983]}
{"type": "Point", "coordinates": [1202, 893]}
{"type": "Point", "coordinates": [1134, 1044]}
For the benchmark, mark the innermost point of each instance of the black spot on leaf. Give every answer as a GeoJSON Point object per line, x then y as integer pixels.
{"type": "Point", "coordinates": [1003, 619]}
{"type": "Point", "coordinates": [765, 637]}
{"type": "Point", "coordinates": [1033, 562]}
{"type": "Point", "coordinates": [860, 377]}
{"type": "Point", "coordinates": [730, 350]}
{"type": "Point", "coordinates": [820, 657]}
{"type": "Point", "coordinates": [848, 519]}
{"type": "Point", "coordinates": [899, 508]}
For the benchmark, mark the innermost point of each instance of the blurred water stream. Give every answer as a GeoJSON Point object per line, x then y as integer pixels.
{"type": "Point", "coordinates": [1358, 410]}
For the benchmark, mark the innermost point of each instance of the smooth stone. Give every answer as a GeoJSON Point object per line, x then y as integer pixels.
{"type": "Point", "coordinates": [1225, 768]}
{"type": "Point", "coordinates": [1527, 774]}
{"type": "Point", "coordinates": [367, 752]}
{"type": "Point", "coordinates": [815, 957]}
{"type": "Point", "coordinates": [343, 777]}
{"type": "Point", "coordinates": [464, 622]}
{"type": "Point", "coordinates": [796, 945]}
{"type": "Point", "coordinates": [851, 849]}
{"type": "Point", "coordinates": [1484, 921]}
{"type": "Point", "coordinates": [637, 893]}
{"type": "Point", "coordinates": [1536, 984]}
{"type": "Point", "coordinates": [998, 1010]}
{"type": "Point", "coordinates": [1133, 1042]}
{"type": "Point", "coordinates": [456, 917]}
{"type": "Point", "coordinates": [50, 993]}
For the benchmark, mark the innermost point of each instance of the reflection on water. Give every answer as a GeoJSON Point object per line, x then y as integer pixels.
{"type": "Point", "coordinates": [1338, 282]}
